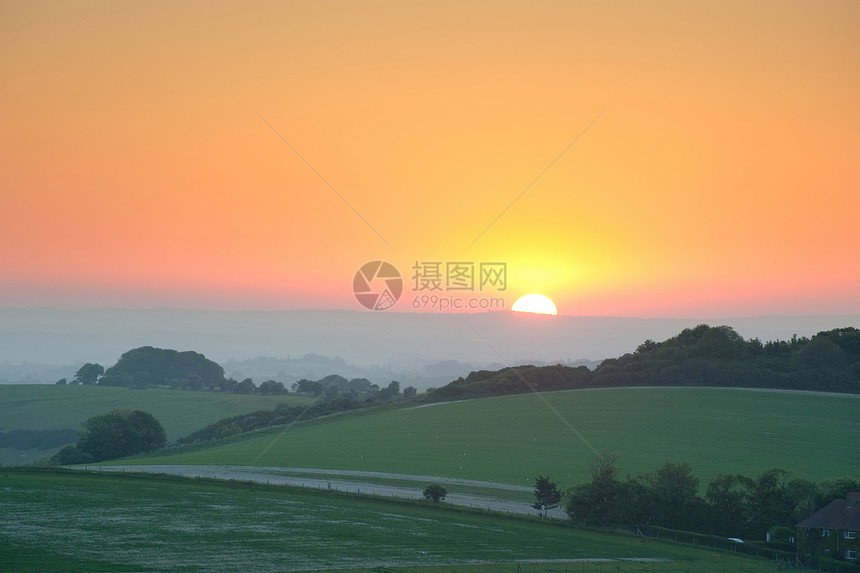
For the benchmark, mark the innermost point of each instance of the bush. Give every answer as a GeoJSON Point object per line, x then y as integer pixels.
{"type": "Point", "coordinates": [435, 492]}
{"type": "Point", "coordinates": [70, 456]}
{"type": "Point", "coordinates": [113, 435]}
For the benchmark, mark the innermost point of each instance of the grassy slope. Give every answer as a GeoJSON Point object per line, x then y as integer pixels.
{"type": "Point", "coordinates": [85, 522]}
{"type": "Point", "coordinates": [511, 439]}
{"type": "Point", "coordinates": [48, 407]}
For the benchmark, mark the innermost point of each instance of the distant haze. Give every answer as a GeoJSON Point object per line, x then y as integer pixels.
{"type": "Point", "coordinates": [44, 344]}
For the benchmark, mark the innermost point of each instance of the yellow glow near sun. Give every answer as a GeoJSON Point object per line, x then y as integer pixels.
{"type": "Point", "coordinates": [536, 303]}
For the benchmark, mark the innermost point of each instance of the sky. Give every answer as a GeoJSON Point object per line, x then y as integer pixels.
{"type": "Point", "coordinates": [624, 158]}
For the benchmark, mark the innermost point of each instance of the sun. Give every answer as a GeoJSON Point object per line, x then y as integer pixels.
{"type": "Point", "coordinates": [535, 303]}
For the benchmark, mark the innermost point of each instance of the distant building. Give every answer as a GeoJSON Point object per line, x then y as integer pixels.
{"type": "Point", "coordinates": [832, 531]}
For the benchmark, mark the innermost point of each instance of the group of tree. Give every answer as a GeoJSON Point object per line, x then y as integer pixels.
{"type": "Point", "coordinates": [281, 415]}
{"type": "Point", "coordinates": [116, 434]}
{"type": "Point", "coordinates": [700, 356]}
{"type": "Point", "coordinates": [356, 388]}
{"type": "Point", "coordinates": [733, 505]}
{"type": "Point", "coordinates": [246, 386]}
{"type": "Point", "coordinates": [148, 367]}
{"type": "Point", "coordinates": [331, 400]}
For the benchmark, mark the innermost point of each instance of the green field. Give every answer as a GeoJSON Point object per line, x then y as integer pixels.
{"type": "Point", "coordinates": [59, 521]}
{"type": "Point", "coordinates": [512, 439]}
{"type": "Point", "coordinates": [52, 407]}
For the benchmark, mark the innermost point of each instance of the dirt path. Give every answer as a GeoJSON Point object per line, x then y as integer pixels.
{"type": "Point", "coordinates": [286, 476]}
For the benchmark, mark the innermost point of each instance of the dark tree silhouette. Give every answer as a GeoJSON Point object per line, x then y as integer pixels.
{"type": "Point", "coordinates": [435, 492]}
{"type": "Point", "coordinates": [113, 435]}
{"type": "Point", "coordinates": [547, 495]}
{"type": "Point", "coordinates": [89, 373]}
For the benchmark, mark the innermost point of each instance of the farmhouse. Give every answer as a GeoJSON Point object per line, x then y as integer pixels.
{"type": "Point", "coordinates": [833, 530]}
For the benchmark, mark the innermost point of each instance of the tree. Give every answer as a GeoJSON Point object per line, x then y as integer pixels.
{"type": "Point", "coordinates": [306, 386]}
{"type": "Point", "coordinates": [228, 430]}
{"type": "Point", "coordinates": [272, 388]}
{"type": "Point", "coordinates": [802, 494]}
{"type": "Point", "coordinates": [382, 395]}
{"type": "Point", "coordinates": [605, 500]}
{"type": "Point", "coordinates": [89, 373]}
{"type": "Point", "coordinates": [435, 492]}
{"type": "Point", "coordinates": [246, 386]}
{"type": "Point", "coordinates": [729, 499]}
{"type": "Point", "coordinates": [770, 502]}
{"type": "Point", "coordinates": [674, 495]}
{"type": "Point", "coordinates": [149, 433]}
{"type": "Point", "coordinates": [410, 392]}
{"type": "Point", "coordinates": [193, 382]}
{"type": "Point", "coordinates": [331, 392]}
{"type": "Point", "coordinates": [120, 433]}
{"type": "Point", "coordinates": [228, 385]}
{"type": "Point", "coordinates": [61, 382]}
{"type": "Point", "coordinates": [394, 388]}
{"type": "Point", "coordinates": [70, 455]}
{"type": "Point", "coordinates": [647, 347]}
{"type": "Point", "coordinates": [547, 495]}
{"type": "Point", "coordinates": [837, 488]}
{"type": "Point", "coordinates": [107, 436]}
{"type": "Point", "coordinates": [820, 353]}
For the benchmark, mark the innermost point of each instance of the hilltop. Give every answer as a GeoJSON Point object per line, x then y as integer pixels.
{"type": "Point", "coordinates": [829, 361]}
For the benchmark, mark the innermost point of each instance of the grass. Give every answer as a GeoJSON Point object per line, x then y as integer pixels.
{"type": "Point", "coordinates": [512, 439]}
{"type": "Point", "coordinates": [61, 521]}
{"type": "Point", "coordinates": [51, 407]}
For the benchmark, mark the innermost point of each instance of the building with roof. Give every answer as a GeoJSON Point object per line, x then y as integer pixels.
{"type": "Point", "coordinates": [832, 531]}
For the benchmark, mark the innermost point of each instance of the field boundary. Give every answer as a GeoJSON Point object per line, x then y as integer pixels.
{"type": "Point", "coordinates": [281, 476]}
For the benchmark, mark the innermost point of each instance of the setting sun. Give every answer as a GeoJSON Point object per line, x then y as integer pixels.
{"type": "Point", "coordinates": [535, 303]}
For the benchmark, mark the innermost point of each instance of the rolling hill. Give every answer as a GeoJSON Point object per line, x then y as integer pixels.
{"type": "Point", "coordinates": [53, 407]}
{"type": "Point", "coordinates": [511, 439]}
{"type": "Point", "coordinates": [701, 356]}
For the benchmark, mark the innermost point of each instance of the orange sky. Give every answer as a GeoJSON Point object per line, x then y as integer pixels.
{"type": "Point", "coordinates": [721, 179]}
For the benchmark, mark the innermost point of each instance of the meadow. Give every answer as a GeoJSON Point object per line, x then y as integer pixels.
{"type": "Point", "coordinates": [75, 521]}
{"type": "Point", "coordinates": [51, 407]}
{"type": "Point", "coordinates": [512, 439]}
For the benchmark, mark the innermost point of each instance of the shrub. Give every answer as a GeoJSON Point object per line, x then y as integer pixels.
{"type": "Point", "coordinates": [435, 492]}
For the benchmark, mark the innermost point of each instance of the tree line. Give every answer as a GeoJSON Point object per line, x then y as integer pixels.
{"type": "Point", "coordinates": [148, 367]}
{"type": "Point", "coordinates": [334, 384]}
{"type": "Point", "coordinates": [733, 505]}
{"type": "Point", "coordinates": [283, 414]}
{"type": "Point", "coordinates": [701, 356]}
